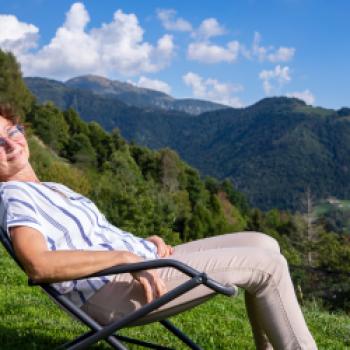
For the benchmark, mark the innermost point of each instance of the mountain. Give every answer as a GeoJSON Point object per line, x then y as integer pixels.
{"type": "Point", "coordinates": [135, 96]}
{"type": "Point", "coordinates": [273, 151]}
{"type": "Point", "coordinates": [146, 126]}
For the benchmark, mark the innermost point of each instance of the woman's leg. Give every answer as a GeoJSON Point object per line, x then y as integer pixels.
{"type": "Point", "coordinates": [260, 338]}
{"type": "Point", "coordinates": [263, 273]}
{"type": "Point", "coordinates": [272, 303]}
{"type": "Point", "coordinates": [239, 239]}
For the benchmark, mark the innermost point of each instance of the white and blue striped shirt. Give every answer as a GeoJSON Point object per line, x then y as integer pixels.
{"type": "Point", "coordinates": [68, 221]}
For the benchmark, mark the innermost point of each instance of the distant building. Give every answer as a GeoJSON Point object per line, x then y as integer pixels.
{"type": "Point", "coordinates": [336, 202]}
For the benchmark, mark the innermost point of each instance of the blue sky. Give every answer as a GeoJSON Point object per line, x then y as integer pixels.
{"type": "Point", "coordinates": [232, 52]}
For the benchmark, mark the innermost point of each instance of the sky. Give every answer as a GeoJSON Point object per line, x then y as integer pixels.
{"type": "Point", "coordinates": [232, 52]}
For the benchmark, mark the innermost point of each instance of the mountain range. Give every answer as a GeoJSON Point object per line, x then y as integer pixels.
{"type": "Point", "coordinates": [274, 151]}
{"type": "Point", "coordinates": [129, 94]}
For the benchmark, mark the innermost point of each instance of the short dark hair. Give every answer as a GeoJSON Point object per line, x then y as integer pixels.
{"type": "Point", "coordinates": [8, 112]}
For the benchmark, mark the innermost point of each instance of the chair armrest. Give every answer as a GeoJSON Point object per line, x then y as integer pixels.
{"type": "Point", "coordinates": [157, 264]}
{"type": "Point", "coordinates": [160, 263]}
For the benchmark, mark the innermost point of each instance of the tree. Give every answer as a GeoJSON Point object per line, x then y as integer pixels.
{"type": "Point", "coordinates": [212, 184]}
{"type": "Point", "coordinates": [310, 219]}
{"type": "Point", "coordinates": [79, 150]}
{"type": "Point", "coordinates": [147, 160]}
{"type": "Point", "coordinates": [256, 221]}
{"type": "Point", "coordinates": [194, 186]}
{"type": "Point", "coordinates": [50, 125]}
{"type": "Point", "coordinates": [75, 123]}
{"type": "Point", "coordinates": [101, 141]}
{"type": "Point", "coordinates": [236, 198]}
{"type": "Point", "coordinates": [117, 140]}
{"type": "Point", "coordinates": [12, 88]}
{"type": "Point", "coordinates": [169, 170]}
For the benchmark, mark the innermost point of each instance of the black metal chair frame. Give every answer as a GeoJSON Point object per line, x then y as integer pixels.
{"type": "Point", "coordinates": [109, 332]}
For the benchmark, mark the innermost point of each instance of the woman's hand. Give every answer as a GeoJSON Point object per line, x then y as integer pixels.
{"type": "Point", "coordinates": [163, 249]}
{"type": "Point", "coordinates": [153, 286]}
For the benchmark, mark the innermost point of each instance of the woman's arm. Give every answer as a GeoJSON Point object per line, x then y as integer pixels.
{"type": "Point", "coordinates": [43, 265]}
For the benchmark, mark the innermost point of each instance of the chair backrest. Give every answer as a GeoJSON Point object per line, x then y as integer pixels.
{"type": "Point", "coordinates": [6, 242]}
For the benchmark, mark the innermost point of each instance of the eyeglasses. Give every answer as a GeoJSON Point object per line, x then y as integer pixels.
{"type": "Point", "coordinates": [14, 133]}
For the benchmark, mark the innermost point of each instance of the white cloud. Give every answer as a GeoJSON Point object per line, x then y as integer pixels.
{"type": "Point", "coordinates": [210, 27]}
{"type": "Point", "coordinates": [113, 48]}
{"type": "Point", "coordinates": [165, 46]}
{"type": "Point", "coordinates": [274, 79]}
{"type": "Point", "coordinates": [209, 53]}
{"type": "Point", "coordinates": [153, 84]}
{"type": "Point", "coordinates": [169, 22]}
{"type": "Point", "coordinates": [282, 54]}
{"type": "Point", "coordinates": [77, 18]}
{"type": "Point", "coordinates": [213, 90]}
{"type": "Point", "coordinates": [17, 36]}
{"type": "Point", "coordinates": [203, 50]}
{"type": "Point", "coordinates": [257, 50]}
{"type": "Point", "coordinates": [305, 95]}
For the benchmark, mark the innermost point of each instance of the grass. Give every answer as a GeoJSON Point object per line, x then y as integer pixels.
{"type": "Point", "coordinates": [30, 320]}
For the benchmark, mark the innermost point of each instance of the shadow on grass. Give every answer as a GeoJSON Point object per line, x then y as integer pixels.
{"type": "Point", "coordinates": [11, 339]}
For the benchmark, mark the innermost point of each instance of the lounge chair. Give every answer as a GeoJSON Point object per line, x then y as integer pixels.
{"type": "Point", "coordinates": [109, 332]}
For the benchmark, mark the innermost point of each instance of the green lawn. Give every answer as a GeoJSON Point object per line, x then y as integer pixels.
{"type": "Point", "coordinates": [30, 320]}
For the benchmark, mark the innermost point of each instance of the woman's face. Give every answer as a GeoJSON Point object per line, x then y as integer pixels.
{"type": "Point", "coordinates": [14, 152]}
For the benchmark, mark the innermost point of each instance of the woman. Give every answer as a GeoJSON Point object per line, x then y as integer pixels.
{"type": "Point", "coordinates": [59, 235]}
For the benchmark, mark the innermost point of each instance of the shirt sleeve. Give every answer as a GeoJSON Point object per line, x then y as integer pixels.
{"type": "Point", "coordinates": [17, 208]}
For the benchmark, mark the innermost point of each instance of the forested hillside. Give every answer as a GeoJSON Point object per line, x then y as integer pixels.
{"type": "Point", "coordinates": [155, 192]}
{"type": "Point", "coordinates": [273, 151]}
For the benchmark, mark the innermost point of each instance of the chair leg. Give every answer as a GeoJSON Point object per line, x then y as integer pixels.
{"type": "Point", "coordinates": [112, 341]}
{"type": "Point", "coordinates": [142, 343]}
{"type": "Point", "coordinates": [182, 336]}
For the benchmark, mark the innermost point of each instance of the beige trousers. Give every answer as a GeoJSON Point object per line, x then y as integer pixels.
{"type": "Point", "coordinates": [250, 260]}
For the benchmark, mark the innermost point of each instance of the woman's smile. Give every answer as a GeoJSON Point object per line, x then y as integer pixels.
{"type": "Point", "coordinates": [14, 155]}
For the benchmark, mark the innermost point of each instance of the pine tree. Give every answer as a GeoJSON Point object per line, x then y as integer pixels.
{"type": "Point", "coordinates": [13, 91]}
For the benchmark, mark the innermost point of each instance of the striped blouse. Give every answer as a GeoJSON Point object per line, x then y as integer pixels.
{"type": "Point", "coordinates": [68, 221]}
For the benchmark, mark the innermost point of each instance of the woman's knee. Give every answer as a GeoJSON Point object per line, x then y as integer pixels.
{"type": "Point", "coordinates": [263, 240]}
{"type": "Point", "coordinates": [271, 270]}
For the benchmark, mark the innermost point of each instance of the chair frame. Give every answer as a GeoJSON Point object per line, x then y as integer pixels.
{"type": "Point", "coordinates": [109, 332]}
